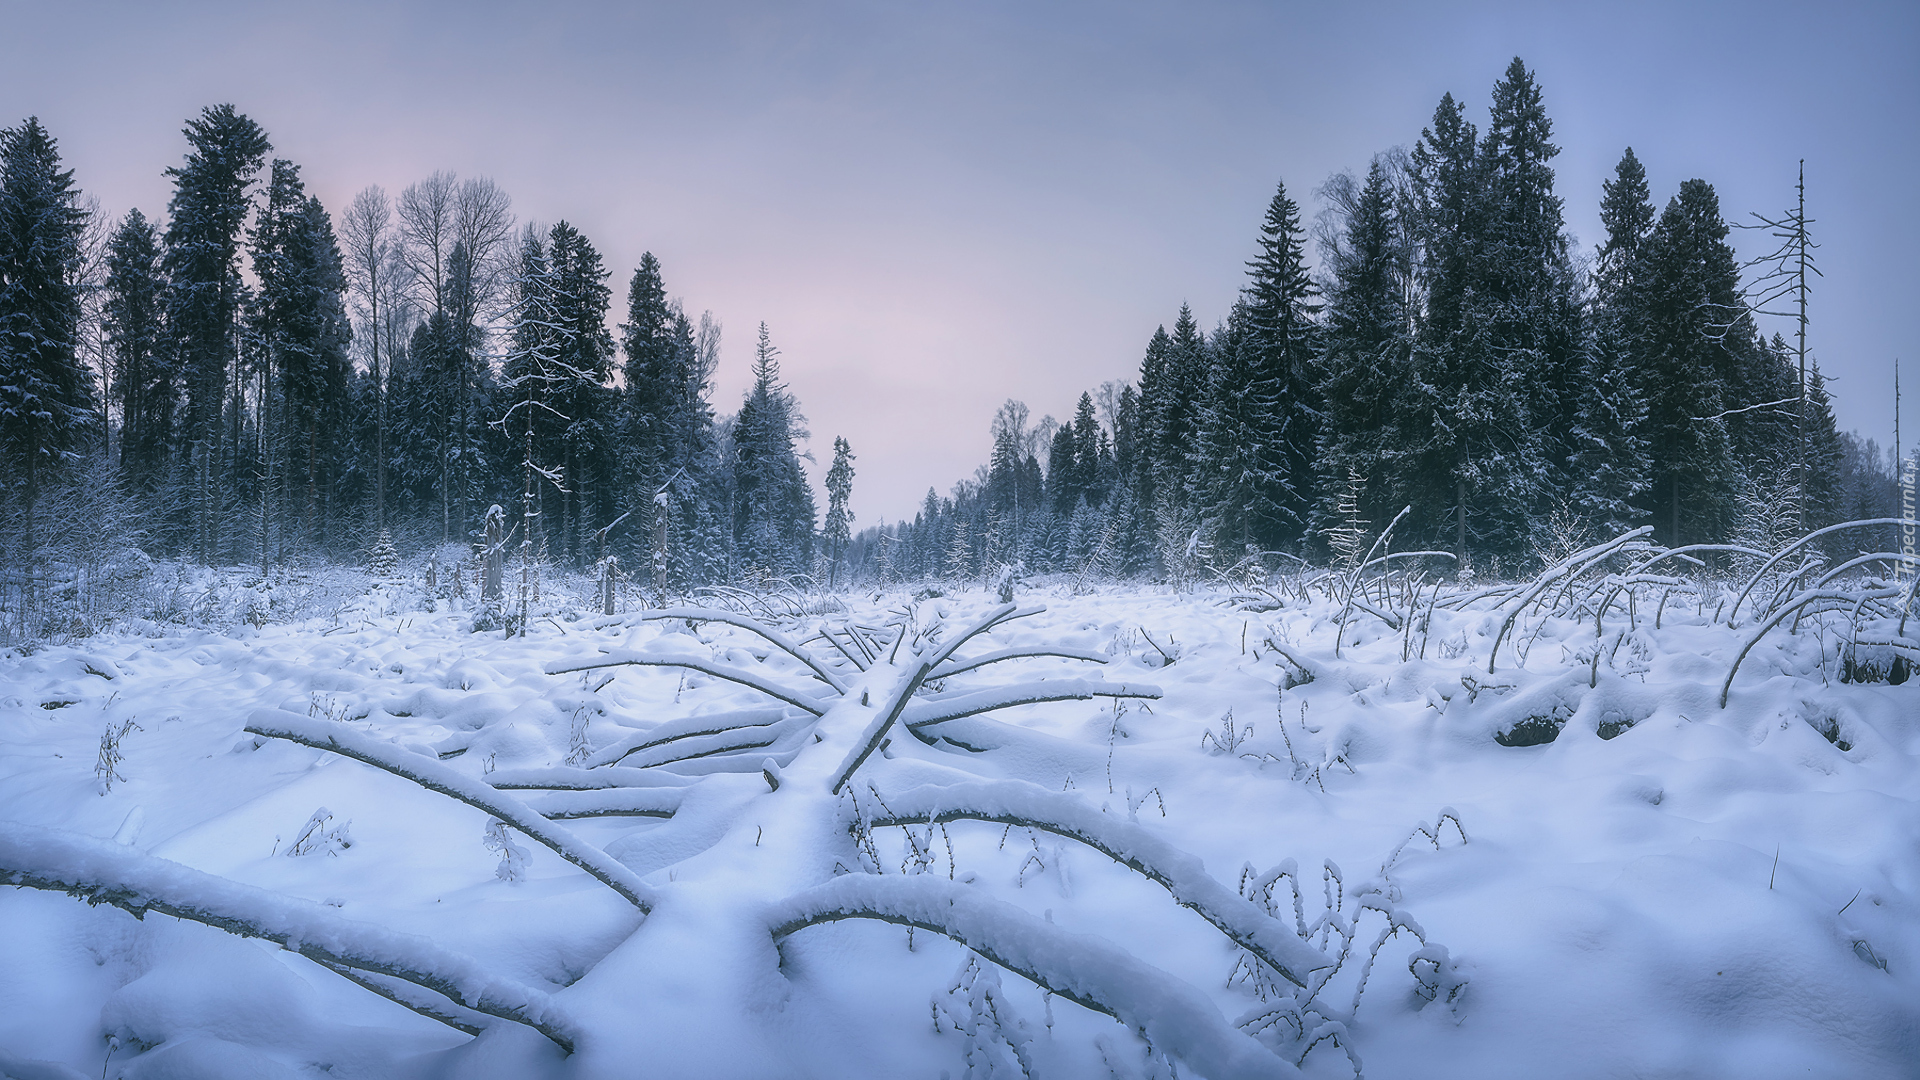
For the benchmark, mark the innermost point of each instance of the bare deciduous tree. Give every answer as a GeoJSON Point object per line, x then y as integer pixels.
{"type": "Point", "coordinates": [366, 233]}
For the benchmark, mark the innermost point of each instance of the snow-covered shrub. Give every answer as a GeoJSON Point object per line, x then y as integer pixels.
{"type": "Point", "coordinates": [1293, 1019]}
{"type": "Point", "coordinates": [318, 837]}
{"type": "Point", "coordinates": [106, 769]}
{"type": "Point", "coordinates": [993, 1039]}
{"type": "Point", "coordinates": [513, 857]}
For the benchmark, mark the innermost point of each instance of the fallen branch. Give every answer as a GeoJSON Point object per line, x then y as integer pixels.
{"type": "Point", "coordinates": [957, 666]}
{"type": "Point", "coordinates": [954, 706]}
{"type": "Point", "coordinates": [876, 732]}
{"type": "Point", "coordinates": [432, 775]}
{"type": "Point", "coordinates": [1089, 971]}
{"type": "Point", "coordinates": [705, 667]}
{"type": "Point", "coordinates": [688, 727]}
{"type": "Point", "coordinates": [100, 872]}
{"type": "Point", "coordinates": [1014, 802]}
{"type": "Point", "coordinates": [607, 802]}
{"type": "Point", "coordinates": [782, 641]}
{"type": "Point", "coordinates": [1798, 602]}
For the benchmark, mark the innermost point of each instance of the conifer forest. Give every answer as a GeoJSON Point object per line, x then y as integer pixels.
{"type": "Point", "coordinates": [413, 665]}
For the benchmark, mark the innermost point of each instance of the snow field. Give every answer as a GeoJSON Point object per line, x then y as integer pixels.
{"type": "Point", "coordinates": [1616, 908]}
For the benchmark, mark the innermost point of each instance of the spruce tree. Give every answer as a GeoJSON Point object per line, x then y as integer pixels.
{"type": "Point", "coordinates": [1534, 311]}
{"type": "Point", "coordinates": [46, 397]}
{"type": "Point", "coordinates": [143, 382]}
{"type": "Point", "coordinates": [211, 200]}
{"type": "Point", "coordinates": [1445, 408]}
{"type": "Point", "coordinates": [774, 511]}
{"type": "Point", "coordinates": [1496, 356]}
{"type": "Point", "coordinates": [1155, 385]}
{"type": "Point", "coordinates": [1363, 451]}
{"type": "Point", "coordinates": [302, 323]}
{"type": "Point", "coordinates": [1282, 340]}
{"type": "Point", "coordinates": [837, 531]}
{"type": "Point", "coordinates": [1606, 438]}
{"type": "Point", "coordinates": [1175, 425]}
{"type": "Point", "coordinates": [1626, 212]}
{"type": "Point", "coordinates": [1825, 492]}
{"type": "Point", "coordinates": [650, 427]}
{"type": "Point", "coordinates": [1693, 340]}
{"type": "Point", "coordinates": [583, 394]}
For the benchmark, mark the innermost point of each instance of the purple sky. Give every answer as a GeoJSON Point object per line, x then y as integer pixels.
{"type": "Point", "coordinates": [938, 207]}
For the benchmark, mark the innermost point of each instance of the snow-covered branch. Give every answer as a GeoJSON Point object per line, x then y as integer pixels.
{"type": "Point", "coordinates": [705, 667]}
{"type": "Point", "coordinates": [1797, 545]}
{"type": "Point", "coordinates": [1564, 573]}
{"type": "Point", "coordinates": [920, 714]}
{"type": "Point", "coordinates": [870, 740]}
{"type": "Point", "coordinates": [690, 727]}
{"type": "Point", "coordinates": [1014, 802]}
{"type": "Point", "coordinates": [1811, 596]}
{"type": "Point", "coordinates": [955, 667]}
{"type": "Point", "coordinates": [1087, 970]}
{"type": "Point", "coordinates": [608, 802]}
{"type": "Point", "coordinates": [432, 775]}
{"type": "Point", "coordinates": [754, 626]}
{"type": "Point", "coordinates": [100, 872]}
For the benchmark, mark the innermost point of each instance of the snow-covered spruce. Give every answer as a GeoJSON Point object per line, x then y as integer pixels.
{"type": "Point", "coordinates": [100, 872]}
{"type": "Point", "coordinates": [1090, 971]}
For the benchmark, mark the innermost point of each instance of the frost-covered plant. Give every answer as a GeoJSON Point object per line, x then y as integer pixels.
{"type": "Point", "coordinates": [578, 748]}
{"type": "Point", "coordinates": [106, 768]}
{"type": "Point", "coordinates": [1294, 1020]}
{"type": "Point", "coordinates": [1558, 535]}
{"type": "Point", "coordinates": [1228, 740]}
{"type": "Point", "coordinates": [317, 837]}
{"type": "Point", "coordinates": [257, 606]}
{"type": "Point", "coordinates": [513, 857]}
{"type": "Point", "coordinates": [994, 1040]}
{"type": "Point", "coordinates": [1305, 769]}
{"type": "Point", "coordinates": [1347, 537]}
{"type": "Point", "coordinates": [1004, 580]}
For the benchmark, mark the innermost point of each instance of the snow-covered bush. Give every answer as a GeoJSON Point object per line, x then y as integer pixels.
{"type": "Point", "coordinates": [319, 837]}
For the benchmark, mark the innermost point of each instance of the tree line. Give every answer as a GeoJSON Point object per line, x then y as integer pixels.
{"type": "Point", "coordinates": [1454, 357]}
{"type": "Point", "coordinates": [247, 380]}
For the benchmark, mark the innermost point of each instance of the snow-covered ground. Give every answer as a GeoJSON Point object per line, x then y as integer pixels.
{"type": "Point", "coordinates": [1665, 889]}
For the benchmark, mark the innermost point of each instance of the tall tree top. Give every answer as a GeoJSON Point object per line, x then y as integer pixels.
{"type": "Point", "coordinates": [1519, 143]}
{"type": "Point", "coordinates": [647, 335]}
{"type": "Point", "coordinates": [1519, 134]}
{"type": "Point", "coordinates": [766, 366]}
{"type": "Point", "coordinates": [209, 197]}
{"type": "Point", "coordinates": [1626, 212]}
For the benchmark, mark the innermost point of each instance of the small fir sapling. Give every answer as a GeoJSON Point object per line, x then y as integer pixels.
{"type": "Point", "coordinates": [382, 559]}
